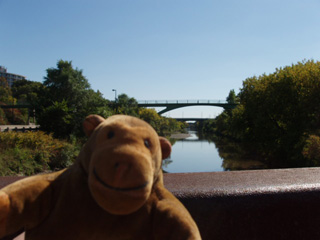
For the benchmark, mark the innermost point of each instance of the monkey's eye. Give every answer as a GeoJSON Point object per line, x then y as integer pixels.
{"type": "Point", "coordinates": [110, 134]}
{"type": "Point", "coordinates": [147, 143]}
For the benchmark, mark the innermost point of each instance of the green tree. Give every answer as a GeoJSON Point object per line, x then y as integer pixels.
{"type": "Point", "coordinates": [163, 126]}
{"type": "Point", "coordinates": [12, 115]}
{"type": "Point", "coordinates": [66, 83]}
{"type": "Point", "coordinates": [278, 112]}
{"type": "Point", "coordinates": [6, 93]}
{"type": "Point", "coordinates": [60, 119]}
{"type": "Point", "coordinates": [220, 124]}
{"type": "Point", "coordinates": [68, 92]}
{"type": "Point", "coordinates": [3, 117]}
{"type": "Point", "coordinates": [27, 92]}
{"type": "Point", "coordinates": [232, 97]}
{"type": "Point", "coordinates": [311, 150]}
{"type": "Point", "coordinates": [126, 105]}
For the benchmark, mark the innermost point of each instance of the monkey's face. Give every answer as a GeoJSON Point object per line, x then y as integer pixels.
{"type": "Point", "coordinates": [125, 162]}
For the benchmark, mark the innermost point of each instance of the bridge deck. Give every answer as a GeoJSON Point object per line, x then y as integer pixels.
{"type": "Point", "coordinates": [152, 102]}
{"type": "Point", "coordinates": [174, 104]}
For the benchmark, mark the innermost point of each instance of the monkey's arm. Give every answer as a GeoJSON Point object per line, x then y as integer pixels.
{"type": "Point", "coordinates": [173, 221]}
{"type": "Point", "coordinates": [25, 203]}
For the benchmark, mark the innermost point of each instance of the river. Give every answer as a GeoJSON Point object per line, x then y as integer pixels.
{"type": "Point", "coordinates": [200, 155]}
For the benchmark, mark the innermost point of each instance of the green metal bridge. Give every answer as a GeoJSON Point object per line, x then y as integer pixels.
{"type": "Point", "coordinates": [174, 104]}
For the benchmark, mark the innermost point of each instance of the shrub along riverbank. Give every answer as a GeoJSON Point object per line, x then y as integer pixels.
{"type": "Point", "coordinates": [37, 152]}
{"type": "Point", "coordinates": [34, 152]}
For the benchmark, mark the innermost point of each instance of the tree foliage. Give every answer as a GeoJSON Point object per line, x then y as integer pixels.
{"type": "Point", "coordinates": [27, 92]}
{"type": "Point", "coordinates": [10, 115]}
{"type": "Point", "coordinates": [5, 92]}
{"type": "Point", "coordinates": [66, 83]}
{"type": "Point", "coordinates": [65, 98]}
{"type": "Point", "coordinates": [277, 113]}
{"type": "Point", "coordinates": [163, 126]}
{"type": "Point", "coordinates": [67, 93]}
{"type": "Point", "coordinates": [126, 105]}
{"type": "Point", "coordinates": [57, 119]}
{"type": "Point", "coordinates": [232, 97]}
{"type": "Point", "coordinates": [311, 150]}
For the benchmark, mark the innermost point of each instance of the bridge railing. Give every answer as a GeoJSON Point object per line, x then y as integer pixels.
{"type": "Point", "coordinates": [182, 101]}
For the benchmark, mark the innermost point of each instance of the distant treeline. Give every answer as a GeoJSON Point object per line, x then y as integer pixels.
{"type": "Point", "coordinates": [278, 116]}
{"type": "Point", "coordinates": [65, 98]}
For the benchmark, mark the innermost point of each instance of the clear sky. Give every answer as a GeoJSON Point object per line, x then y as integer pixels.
{"type": "Point", "coordinates": [159, 49]}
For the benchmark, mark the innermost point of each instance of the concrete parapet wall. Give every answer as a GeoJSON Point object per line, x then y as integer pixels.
{"type": "Point", "coordinates": [262, 204]}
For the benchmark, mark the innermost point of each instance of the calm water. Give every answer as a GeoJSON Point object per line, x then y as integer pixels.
{"type": "Point", "coordinates": [193, 155]}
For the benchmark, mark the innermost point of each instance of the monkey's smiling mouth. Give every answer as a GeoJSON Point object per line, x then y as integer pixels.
{"type": "Point", "coordinates": [117, 188]}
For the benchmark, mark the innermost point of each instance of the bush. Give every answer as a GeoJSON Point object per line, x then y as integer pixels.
{"type": "Point", "coordinates": [311, 150]}
{"type": "Point", "coordinates": [33, 152]}
{"type": "Point", "coordinates": [3, 118]}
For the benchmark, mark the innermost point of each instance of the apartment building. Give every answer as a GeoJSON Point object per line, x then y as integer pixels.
{"type": "Point", "coordinates": [11, 77]}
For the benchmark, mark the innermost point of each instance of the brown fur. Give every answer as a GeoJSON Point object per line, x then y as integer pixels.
{"type": "Point", "coordinates": [113, 191]}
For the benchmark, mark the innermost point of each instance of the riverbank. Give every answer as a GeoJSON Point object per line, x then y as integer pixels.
{"type": "Point", "coordinates": [31, 153]}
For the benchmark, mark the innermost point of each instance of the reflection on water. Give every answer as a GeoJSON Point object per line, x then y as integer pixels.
{"type": "Point", "coordinates": [193, 155]}
{"type": "Point", "coordinates": [197, 154]}
{"type": "Point", "coordinates": [236, 156]}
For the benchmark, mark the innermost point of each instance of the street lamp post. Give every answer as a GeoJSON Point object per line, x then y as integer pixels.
{"type": "Point", "coordinates": [115, 100]}
{"type": "Point", "coordinates": [115, 95]}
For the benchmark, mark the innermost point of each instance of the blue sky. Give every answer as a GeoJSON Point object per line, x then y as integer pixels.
{"type": "Point", "coordinates": [159, 49]}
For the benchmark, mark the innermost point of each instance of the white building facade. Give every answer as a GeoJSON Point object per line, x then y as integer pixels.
{"type": "Point", "coordinates": [10, 77]}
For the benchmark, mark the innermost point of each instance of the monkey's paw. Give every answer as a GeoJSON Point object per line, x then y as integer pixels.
{"type": "Point", "coordinates": [4, 210]}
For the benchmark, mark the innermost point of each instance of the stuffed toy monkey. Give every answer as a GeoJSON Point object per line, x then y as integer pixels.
{"type": "Point", "coordinates": [113, 191]}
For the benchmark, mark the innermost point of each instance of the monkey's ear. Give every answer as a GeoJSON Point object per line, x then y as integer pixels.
{"type": "Point", "coordinates": [90, 123]}
{"type": "Point", "coordinates": [165, 147]}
